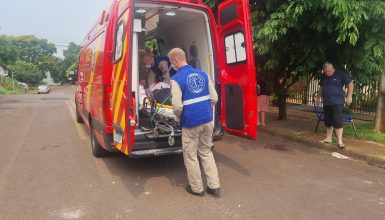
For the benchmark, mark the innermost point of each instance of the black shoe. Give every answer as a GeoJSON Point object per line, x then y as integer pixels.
{"type": "Point", "coordinates": [214, 192]}
{"type": "Point", "coordinates": [189, 190]}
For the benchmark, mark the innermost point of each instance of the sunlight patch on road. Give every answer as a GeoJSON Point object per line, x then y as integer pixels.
{"type": "Point", "coordinates": [69, 213]}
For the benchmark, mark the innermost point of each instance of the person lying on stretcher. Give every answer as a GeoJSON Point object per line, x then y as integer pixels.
{"type": "Point", "coordinates": [160, 91]}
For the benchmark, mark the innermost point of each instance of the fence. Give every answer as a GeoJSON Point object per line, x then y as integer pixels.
{"type": "Point", "coordinates": [365, 94]}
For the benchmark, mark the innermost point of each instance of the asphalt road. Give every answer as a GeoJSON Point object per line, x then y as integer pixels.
{"type": "Point", "coordinates": [47, 171]}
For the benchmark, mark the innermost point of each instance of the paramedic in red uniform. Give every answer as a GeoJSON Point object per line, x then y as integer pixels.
{"type": "Point", "coordinates": [193, 97]}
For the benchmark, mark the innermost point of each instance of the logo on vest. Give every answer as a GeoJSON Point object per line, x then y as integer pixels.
{"type": "Point", "coordinates": [196, 83]}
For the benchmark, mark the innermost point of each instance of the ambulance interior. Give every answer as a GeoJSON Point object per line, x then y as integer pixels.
{"type": "Point", "coordinates": [169, 26]}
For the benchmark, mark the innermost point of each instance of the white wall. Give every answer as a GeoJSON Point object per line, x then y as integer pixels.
{"type": "Point", "coordinates": [184, 35]}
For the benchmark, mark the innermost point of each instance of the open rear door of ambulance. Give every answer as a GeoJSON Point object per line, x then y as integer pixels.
{"type": "Point", "coordinates": [237, 70]}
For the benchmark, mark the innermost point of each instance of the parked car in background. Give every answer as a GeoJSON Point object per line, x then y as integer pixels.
{"type": "Point", "coordinates": [43, 89]}
{"type": "Point", "coordinates": [23, 85]}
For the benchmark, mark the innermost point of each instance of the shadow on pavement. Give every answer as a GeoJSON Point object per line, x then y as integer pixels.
{"type": "Point", "coordinates": [134, 173]}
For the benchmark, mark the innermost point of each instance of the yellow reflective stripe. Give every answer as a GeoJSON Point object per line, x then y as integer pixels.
{"type": "Point", "coordinates": [118, 73]}
{"type": "Point", "coordinates": [119, 146]}
{"type": "Point", "coordinates": [208, 66]}
{"type": "Point", "coordinates": [123, 126]}
{"type": "Point", "coordinates": [119, 100]}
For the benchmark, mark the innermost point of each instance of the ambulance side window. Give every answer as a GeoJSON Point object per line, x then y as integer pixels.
{"type": "Point", "coordinates": [119, 37]}
{"type": "Point", "coordinates": [235, 48]}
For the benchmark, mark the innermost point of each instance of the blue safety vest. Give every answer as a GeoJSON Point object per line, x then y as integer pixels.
{"type": "Point", "coordinates": [155, 67]}
{"type": "Point", "coordinates": [194, 85]}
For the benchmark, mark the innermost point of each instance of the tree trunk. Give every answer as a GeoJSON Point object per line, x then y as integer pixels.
{"type": "Point", "coordinates": [305, 98]}
{"type": "Point", "coordinates": [380, 114]}
{"type": "Point", "coordinates": [281, 92]}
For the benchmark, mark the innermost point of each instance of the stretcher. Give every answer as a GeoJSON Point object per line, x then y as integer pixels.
{"type": "Point", "coordinates": [162, 118]}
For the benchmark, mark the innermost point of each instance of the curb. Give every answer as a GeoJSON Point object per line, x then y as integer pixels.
{"type": "Point", "coordinates": [369, 159]}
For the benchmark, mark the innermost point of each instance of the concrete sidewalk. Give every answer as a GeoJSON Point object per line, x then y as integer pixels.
{"type": "Point", "coordinates": [300, 127]}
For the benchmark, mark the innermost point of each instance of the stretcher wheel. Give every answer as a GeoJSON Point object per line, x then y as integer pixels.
{"type": "Point", "coordinates": [171, 140]}
{"type": "Point", "coordinates": [156, 133]}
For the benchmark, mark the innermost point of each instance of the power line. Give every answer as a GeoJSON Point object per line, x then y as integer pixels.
{"type": "Point", "coordinates": [61, 45]}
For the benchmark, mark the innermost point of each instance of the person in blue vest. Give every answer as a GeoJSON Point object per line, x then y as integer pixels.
{"type": "Point", "coordinates": [193, 98]}
{"type": "Point", "coordinates": [157, 68]}
{"type": "Point", "coordinates": [331, 88]}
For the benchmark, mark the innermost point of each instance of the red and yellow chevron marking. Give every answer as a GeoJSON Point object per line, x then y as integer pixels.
{"type": "Point", "coordinates": [123, 147]}
{"type": "Point", "coordinates": [119, 112]}
{"type": "Point", "coordinates": [118, 68]}
{"type": "Point", "coordinates": [89, 87]}
{"type": "Point", "coordinates": [119, 99]}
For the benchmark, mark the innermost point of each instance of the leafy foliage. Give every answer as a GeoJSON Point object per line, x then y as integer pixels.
{"type": "Point", "coordinates": [366, 131]}
{"type": "Point", "coordinates": [153, 46]}
{"type": "Point", "coordinates": [9, 86]}
{"type": "Point", "coordinates": [297, 36]}
{"type": "Point", "coordinates": [212, 4]}
{"type": "Point", "coordinates": [26, 72]}
{"type": "Point", "coordinates": [292, 38]}
{"type": "Point", "coordinates": [52, 64]}
{"type": "Point", "coordinates": [34, 50]}
{"type": "Point", "coordinates": [68, 64]}
{"type": "Point", "coordinates": [7, 51]}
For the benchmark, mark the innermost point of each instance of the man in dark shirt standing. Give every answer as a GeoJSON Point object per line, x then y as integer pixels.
{"type": "Point", "coordinates": [332, 90]}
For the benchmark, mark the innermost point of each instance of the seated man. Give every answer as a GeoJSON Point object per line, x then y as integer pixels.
{"type": "Point", "coordinates": [157, 68]}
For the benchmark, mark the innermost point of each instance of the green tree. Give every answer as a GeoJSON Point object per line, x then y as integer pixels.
{"type": "Point", "coordinates": [212, 4]}
{"type": "Point", "coordinates": [34, 50]}
{"type": "Point", "coordinates": [294, 38]}
{"type": "Point", "coordinates": [69, 63]}
{"type": "Point", "coordinates": [72, 52]}
{"type": "Point", "coordinates": [26, 72]}
{"type": "Point", "coordinates": [8, 52]}
{"type": "Point", "coordinates": [53, 65]}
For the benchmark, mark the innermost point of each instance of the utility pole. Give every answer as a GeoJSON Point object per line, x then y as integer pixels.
{"type": "Point", "coordinates": [380, 114]}
{"type": "Point", "coordinates": [13, 82]}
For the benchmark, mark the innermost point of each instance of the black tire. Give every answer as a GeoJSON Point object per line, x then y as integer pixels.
{"type": "Point", "coordinates": [97, 150]}
{"type": "Point", "coordinates": [79, 118]}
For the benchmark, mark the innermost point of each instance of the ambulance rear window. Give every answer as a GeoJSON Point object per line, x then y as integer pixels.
{"type": "Point", "coordinates": [119, 37]}
{"type": "Point", "coordinates": [229, 14]}
{"type": "Point", "coordinates": [235, 48]}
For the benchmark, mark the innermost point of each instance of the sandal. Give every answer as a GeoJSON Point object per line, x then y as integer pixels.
{"type": "Point", "coordinates": [341, 146]}
{"type": "Point", "coordinates": [325, 142]}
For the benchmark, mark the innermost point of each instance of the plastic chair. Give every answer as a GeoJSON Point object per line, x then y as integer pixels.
{"type": "Point", "coordinates": [348, 115]}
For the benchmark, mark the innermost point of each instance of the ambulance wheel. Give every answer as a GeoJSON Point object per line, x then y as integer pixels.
{"type": "Point", "coordinates": [97, 150]}
{"type": "Point", "coordinates": [79, 118]}
{"type": "Point", "coordinates": [156, 133]}
{"type": "Point", "coordinates": [171, 141]}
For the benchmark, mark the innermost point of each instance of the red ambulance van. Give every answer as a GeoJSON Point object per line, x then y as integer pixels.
{"type": "Point", "coordinates": [108, 95]}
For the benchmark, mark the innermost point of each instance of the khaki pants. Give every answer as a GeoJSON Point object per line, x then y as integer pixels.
{"type": "Point", "coordinates": [198, 141]}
